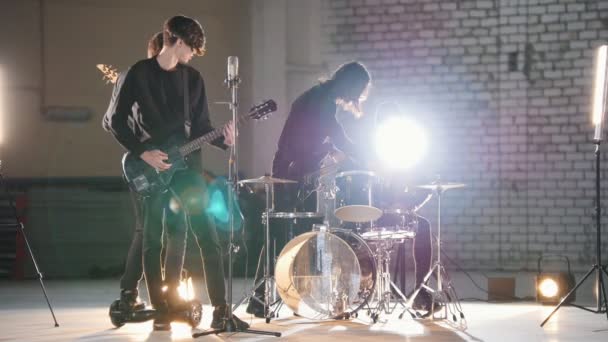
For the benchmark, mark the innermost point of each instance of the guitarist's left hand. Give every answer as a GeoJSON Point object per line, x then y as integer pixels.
{"type": "Point", "coordinates": [229, 133]}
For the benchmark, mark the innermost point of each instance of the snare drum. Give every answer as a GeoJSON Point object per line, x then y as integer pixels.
{"type": "Point", "coordinates": [395, 224]}
{"type": "Point", "coordinates": [326, 274]}
{"type": "Point", "coordinates": [388, 233]}
{"type": "Point", "coordinates": [354, 199]}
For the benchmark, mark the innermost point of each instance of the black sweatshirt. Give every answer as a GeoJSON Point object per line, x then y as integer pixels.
{"type": "Point", "coordinates": [148, 107]}
{"type": "Point", "coordinates": [310, 132]}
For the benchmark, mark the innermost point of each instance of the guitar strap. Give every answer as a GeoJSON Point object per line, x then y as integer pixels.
{"type": "Point", "coordinates": [187, 114]}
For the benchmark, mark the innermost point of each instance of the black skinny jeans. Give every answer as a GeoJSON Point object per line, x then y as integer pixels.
{"type": "Point", "coordinates": [152, 216]}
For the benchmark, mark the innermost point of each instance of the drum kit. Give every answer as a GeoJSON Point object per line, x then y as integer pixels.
{"type": "Point", "coordinates": [326, 270]}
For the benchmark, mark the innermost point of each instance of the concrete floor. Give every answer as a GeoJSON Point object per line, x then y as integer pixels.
{"type": "Point", "coordinates": [81, 308]}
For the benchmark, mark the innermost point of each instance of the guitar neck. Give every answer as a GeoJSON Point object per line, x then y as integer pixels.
{"type": "Point", "coordinates": [198, 143]}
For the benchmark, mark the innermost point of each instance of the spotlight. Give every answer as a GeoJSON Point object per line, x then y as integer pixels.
{"type": "Point", "coordinates": [548, 287]}
{"type": "Point", "coordinates": [186, 289]}
{"type": "Point", "coordinates": [551, 287]}
{"type": "Point", "coordinates": [400, 142]}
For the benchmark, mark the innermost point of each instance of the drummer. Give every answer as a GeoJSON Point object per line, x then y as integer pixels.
{"type": "Point", "coordinates": [311, 133]}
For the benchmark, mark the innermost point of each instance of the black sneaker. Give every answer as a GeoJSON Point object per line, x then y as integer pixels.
{"type": "Point", "coordinates": [219, 315]}
{"type": "Point", "coordinates": [424, 302]}
{"type": "Point", "coordinates": [255, 308]}
{"type": "Point", "coordinates": [129, 301]}
{"type": "Point", "coordinates": [162, 322]}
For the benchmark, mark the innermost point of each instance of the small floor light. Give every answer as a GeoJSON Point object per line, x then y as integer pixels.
{"type": "Point", "coordinates": [552, 286]}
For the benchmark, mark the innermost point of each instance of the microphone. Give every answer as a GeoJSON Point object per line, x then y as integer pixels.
{"type": "Point", "coordinates": [232, 70]}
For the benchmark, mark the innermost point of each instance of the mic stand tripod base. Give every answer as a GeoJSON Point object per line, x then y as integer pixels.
{"type": "Point", "coordinates": [230, 326]}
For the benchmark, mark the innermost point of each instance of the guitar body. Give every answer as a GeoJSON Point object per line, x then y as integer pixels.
{"type": "Point", "coordinates": [144, 179]}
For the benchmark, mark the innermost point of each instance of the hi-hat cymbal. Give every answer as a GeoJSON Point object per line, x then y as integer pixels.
{"type": "Point", "coordinates": [441, 186]}
{"type": "Point", "coordinates": [266, 180]}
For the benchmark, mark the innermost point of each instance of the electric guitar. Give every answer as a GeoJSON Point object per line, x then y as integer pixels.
{"type": "Point", "coordinates": [146, 180]}
{"type": "Point", "coordinates": [110, 73]}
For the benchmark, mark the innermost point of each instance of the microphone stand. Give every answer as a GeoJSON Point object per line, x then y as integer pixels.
{"type": "Point", "coordinates": [232, 82]}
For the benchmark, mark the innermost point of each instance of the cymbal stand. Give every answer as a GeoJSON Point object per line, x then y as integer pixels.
{"type": "Point", "coordinates": [444, 293]}
{"type": "Point", "coordinates": [267, 279]}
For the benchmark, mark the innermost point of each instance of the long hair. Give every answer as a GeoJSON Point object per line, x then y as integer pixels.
{"type": "Point", "coordinates": [350, 80]}
{"type": "Point", "coordinates": [155, 44]}
{"type": "Point", "coordinates": [349, 83]}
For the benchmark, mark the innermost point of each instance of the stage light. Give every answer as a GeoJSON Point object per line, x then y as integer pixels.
{"type": "Point", "coordinates": [186, 289]}
{"type": "Point", "coordinates": [400, 142]}
{"type": "Point", "coordinates": [599, 91]}
{"type": "Point", "coordinates": [2, 104]}
{"type": "Point", "coordinates": [551, 287]}
{"type": "Point", "coordinates": [548, 287]}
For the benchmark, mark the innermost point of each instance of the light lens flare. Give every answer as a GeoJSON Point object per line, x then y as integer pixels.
{"type": "Point", "coordinates": [400, 143]}
{"type": "Point", "coordinates": [548, 288]}
{"type": "Point", "coordinates": [186, 289]}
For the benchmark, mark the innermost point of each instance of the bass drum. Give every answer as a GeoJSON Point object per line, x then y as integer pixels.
{"type": "Point", "coordinates": [326, 274]}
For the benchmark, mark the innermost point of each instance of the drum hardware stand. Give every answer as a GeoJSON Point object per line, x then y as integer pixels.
{"type": "Point", "coordinates": [384, 284]}
{"type": "Point", "coordinates": [443, 293]}
{"type": "Point", "coordinates": [230, 326]}
{"type": "Point", "coordinates": [27, 244]}
{"type": "Point", "coordinates": [267, 279]}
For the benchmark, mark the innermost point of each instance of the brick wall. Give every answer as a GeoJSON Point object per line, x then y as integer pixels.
{"type": "Point", "coordinates": [503, 87]}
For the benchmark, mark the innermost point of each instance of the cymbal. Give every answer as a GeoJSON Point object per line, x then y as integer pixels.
{"type": "Point", "coordinates": [441, 186]}
{"type": "Point", "coordinates": [266, 180]}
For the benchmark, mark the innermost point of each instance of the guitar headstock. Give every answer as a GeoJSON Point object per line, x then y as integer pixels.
{"type": "Point", "coordinates": [110, 73]}
{"type": "Point", "coordinates": [262, 110]}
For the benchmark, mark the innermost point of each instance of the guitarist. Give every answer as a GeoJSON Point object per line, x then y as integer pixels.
{"type": "Point", "coordinates": [311, 133]}
{"type": "Point", "coordinates": [155, 86]}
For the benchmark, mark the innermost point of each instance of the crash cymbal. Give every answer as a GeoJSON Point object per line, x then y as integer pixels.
{"type": "Point", "coordinates": [266, 180]}
{"type": "Point", "coordinates": [441, 186]}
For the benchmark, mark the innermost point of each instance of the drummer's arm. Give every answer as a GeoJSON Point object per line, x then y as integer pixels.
{"type": "Point", "coordinates": [343, 143]}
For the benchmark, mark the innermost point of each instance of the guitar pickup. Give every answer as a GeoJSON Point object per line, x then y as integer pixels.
{"type": "Point", "coordinates": [141, 183]}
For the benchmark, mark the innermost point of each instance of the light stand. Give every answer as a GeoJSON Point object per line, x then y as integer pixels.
{"type": "Point", "coordinates": [29, 248]}
{"type": "Point", "coordinates": [232, 81]}
{"type": "Point", "coordinates": [599, 108]}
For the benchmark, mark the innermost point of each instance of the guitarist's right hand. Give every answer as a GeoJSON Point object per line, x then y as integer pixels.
{"type": "Point", "coordinates": [156, 159]}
